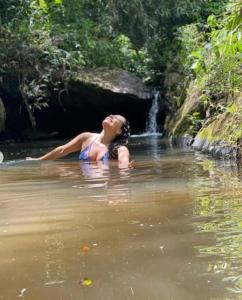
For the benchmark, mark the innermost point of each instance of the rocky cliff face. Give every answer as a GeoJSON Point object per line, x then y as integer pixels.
{"type": "Point", "coordinates": [219, 133]}
{"type": "Point", "coordinates": [221, 136]}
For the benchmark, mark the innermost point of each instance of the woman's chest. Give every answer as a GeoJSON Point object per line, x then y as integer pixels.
{"type": "Point", "coordinates": [97, 151]}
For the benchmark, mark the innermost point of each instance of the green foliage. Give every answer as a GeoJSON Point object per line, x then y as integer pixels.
{"type": "Point", "coordinates": [43, 42]}
{"type": "Point", "coordinates": [211, 54]}
{"type": "Point", "coordinates": [191, 51]}
{"type": "Point", "coordinates": [223, 60]}
{"type": "Point", "coordinates": [196, 122]}
{"type": "Point", "coordinates": [221, 54]}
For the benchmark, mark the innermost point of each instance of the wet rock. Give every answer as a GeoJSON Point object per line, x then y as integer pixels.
{"type": "Point", "coordinates": [222, 137]}
{"type": "Point", "coordinates": [183, 141]}
{"type": "Point", "coordinates": [219, 135]}
{"type": "Point", "coordinates": [219, 149]}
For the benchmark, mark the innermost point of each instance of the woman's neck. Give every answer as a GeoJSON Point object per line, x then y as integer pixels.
{"type": "Point", "coordinates": [106, 138]}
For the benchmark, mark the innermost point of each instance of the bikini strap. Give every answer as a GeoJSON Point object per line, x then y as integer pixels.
{"type": "Point", "coordinates": [93, 141]}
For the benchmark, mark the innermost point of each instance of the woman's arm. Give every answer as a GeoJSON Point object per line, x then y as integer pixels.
{"type": "Point", "coordinates": [123, 157]}
{"type": "Point", "coordinates": [72, 146]}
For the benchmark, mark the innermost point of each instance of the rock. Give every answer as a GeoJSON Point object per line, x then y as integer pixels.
{"type": "Point", "coordinates": [183, 122]}
{"type": "Point", "coordinates": [174, 84]}
{"type": "Point", "coordinates": [85, 100]}
{"type": "Point", "coordinates": [2, 116]}
{"type": "Point", "coordinates": [91, 96]}
{"type": "Point", "coordinates": [183, 141]}
{"type": "Point", "coordinates": [222, 137]}
{"type": "Point", "coordinates": [117, 81]}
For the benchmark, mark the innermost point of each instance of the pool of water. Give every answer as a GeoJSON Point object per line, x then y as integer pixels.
{"type": "Point", "coordinates": [168, 229]}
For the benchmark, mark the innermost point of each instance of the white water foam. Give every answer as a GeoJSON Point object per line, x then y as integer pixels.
{"type": "Point", "coordinates": [1, 157]}
{"type": "Point", "coordinates": [146, 134]}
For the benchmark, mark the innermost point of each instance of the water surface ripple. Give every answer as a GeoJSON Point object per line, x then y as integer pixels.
{"type": "Point", "coordinates": [168, 229]}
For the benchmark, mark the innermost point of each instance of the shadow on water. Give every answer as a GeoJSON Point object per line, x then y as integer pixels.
{"type": "Point", "coordinates": [168, 229]}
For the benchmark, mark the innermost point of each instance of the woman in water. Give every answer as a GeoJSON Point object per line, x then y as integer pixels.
{"type": "Point", "coordinates": [109, 144]}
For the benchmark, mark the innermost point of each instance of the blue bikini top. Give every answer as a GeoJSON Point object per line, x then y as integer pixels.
{"type": "Point", "coordinates": [84, 154]}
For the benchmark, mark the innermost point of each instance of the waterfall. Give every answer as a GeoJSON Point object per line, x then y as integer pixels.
{"type": "Point", "coordinates": [1, 157]}
{"type": "Point", "coordinates": [151, 124]}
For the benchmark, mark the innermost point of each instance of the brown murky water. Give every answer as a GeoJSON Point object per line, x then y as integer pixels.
{"type": "Point", "coordinates": [168, 229]}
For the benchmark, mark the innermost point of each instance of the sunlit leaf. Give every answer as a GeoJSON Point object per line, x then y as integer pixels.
{"type": "Point", "coordinates": [196, 66]}
{"type": "Point", "coordinates": [86, 282]}
{"type": "Point", "coordinates": [212, 22]}
{"type": "Point", "coordinates": [197, 54]}
{"type": "Point", "coordinates": [43, 4]}
{"type": "Point", "coordinates": [232, 108]}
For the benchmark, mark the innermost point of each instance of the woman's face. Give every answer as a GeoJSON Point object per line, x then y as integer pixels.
{"type": "Point", "coordinates": [113, 123]}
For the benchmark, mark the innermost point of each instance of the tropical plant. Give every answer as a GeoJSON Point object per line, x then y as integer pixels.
{"type": "Point", "coordinates": [44, 42]}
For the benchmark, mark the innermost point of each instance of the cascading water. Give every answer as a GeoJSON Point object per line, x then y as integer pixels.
{"type": "Point", "coordinates": [151, 124]}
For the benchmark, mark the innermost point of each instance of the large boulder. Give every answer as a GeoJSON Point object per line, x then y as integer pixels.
{"type": "Point", "coordinates": [2, 116]}
{"type": "Point", "coordinates": [116, 81]}
{"type": "Point", "coordinates": [90, 96]}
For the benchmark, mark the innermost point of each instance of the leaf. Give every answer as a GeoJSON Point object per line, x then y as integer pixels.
{"type": "Point", "coordinates": [86, 282]}
{"type": "Point", "coordinates": [232, 108]}
{"type": "Point", "coordinates": [197, 54]}
{"type": "Point", "coordinates": [85, 249]}
{"type": "Point", "coordinates": [196, 66]}
{"type": "Point", "coordinates": [43, 4]}
{"type": "Point", "coordinates": [212, 22]}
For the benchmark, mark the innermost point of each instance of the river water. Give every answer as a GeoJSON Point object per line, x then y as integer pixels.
{"type": "Point", "coordinates": [168, 229]}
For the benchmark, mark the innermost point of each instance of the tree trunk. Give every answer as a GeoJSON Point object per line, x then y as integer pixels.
{"type": "Point", "coordinates": [26, 102]}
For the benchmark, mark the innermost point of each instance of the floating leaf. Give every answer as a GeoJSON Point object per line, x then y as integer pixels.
{"type": "Point", "coordinates": [21, 294]}
{"type": "Point", "coordinates": [85, 249]}
{"type": "Point", "coordinates": [86, 282]}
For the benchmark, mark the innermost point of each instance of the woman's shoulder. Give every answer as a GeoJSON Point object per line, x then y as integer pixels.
{"type": "Point", "coordinates": [86, 137]}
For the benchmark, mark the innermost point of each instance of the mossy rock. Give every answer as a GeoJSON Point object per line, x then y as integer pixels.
{"type": "Point", "coordinates": [222, 137]}
{"type": "Point", "coordinates": [182, 123]}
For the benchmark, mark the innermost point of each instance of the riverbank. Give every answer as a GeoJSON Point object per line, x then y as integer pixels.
{"type": "Point", "coordinates": [218, 134]}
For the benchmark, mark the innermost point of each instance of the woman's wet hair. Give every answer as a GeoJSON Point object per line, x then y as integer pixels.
{"type": "Point", "coordinates": [120, 140]}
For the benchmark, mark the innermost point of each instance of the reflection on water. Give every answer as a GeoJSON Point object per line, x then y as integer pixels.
{"type": "Point", "coordinates": [218, 210]}
{"type": "Point", "coordinates": [168, 229]}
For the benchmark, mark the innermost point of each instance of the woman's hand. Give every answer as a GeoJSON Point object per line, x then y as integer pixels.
{"type": "Point", "coordinates": [32, 158]}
